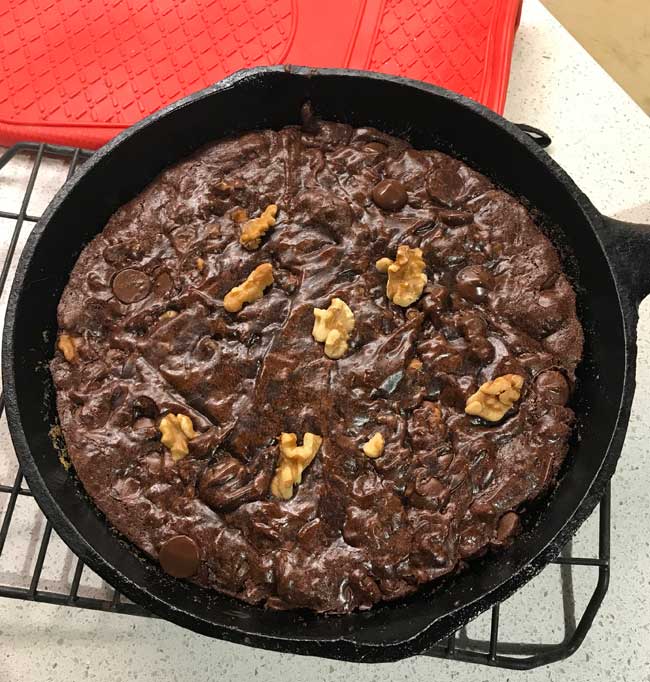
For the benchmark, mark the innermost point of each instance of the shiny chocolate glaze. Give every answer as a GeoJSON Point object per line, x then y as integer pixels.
{"type": "Point", "coordinates": [357, 530]}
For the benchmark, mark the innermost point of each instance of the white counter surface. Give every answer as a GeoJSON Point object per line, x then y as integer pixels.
{"type": "Point", "coordinates": [603, 140]}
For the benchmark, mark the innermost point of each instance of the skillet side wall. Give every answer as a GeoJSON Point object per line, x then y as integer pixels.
{"type": "Point", "coordinates": [429, 118]}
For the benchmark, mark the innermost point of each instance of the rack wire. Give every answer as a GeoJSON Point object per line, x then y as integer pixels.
{"type": "Point", "coordinates": [487, 650]}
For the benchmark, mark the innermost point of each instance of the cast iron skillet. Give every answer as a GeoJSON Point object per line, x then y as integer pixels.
{"type": "Point", "coordinates": [606, 259]}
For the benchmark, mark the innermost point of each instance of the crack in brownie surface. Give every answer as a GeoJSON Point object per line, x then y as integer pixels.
{"type": "Point", "coordinates": [144, 335]}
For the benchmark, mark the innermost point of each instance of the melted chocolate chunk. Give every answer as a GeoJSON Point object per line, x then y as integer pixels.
{"type": "Point", "coordinates": [145, 407]}
{"type": "Point", "coordinates": [455, 218]}
{"type": "Point", "coordinates": [163, 283]}
{"type": "Point", "coordinates": [507, 527]}
{"type": "Point", "coordinates": [444, 185]}
{"type": "Point", "coordinates": [473, 283]}
{"type": "Point", "coordinates": [131, 285]}
{"type": "Point", "coordinates": [553, 385]}
{"type": "Point", "coordinates": [389, 195]}
{"type": "Point", "coordinates": [358, 530]}
{"type": "Point", "coordinates": [179, 556]}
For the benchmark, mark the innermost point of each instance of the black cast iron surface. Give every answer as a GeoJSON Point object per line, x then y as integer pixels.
{"type": "Point", "coordinates": [488, 649]}
{"type": "Point", "coordinates": [598, 253]}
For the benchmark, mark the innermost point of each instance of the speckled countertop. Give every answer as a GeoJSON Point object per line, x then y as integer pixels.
{"type": "Point", "coordinates": [603, 140]}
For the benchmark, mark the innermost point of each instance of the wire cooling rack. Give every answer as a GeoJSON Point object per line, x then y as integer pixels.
{"type": "Point", "coordinates": [77, 586]}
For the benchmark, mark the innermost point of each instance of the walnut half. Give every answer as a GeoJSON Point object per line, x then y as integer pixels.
{"type": "Point", "coordinates": [177, 430]}
{"type": "Point", "coordinates": [251, 289]}
{"type": "Point", "coordinates": [494, 398]}
{"type": "Point", "coordinates": [333, 327]}
{"type": "Point", "coordinates": [406, 277]}
{"type": "Point", "coordinates": [294, 459]}
{"type": "Point", "coordinates": [253, 230]}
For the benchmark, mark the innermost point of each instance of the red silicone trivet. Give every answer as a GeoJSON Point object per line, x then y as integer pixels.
{"type": "Point", "coordinates": [79, 71]}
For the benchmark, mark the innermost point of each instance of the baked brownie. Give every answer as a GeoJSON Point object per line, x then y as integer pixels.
{"type": "Point", "coordinates": [317, 367]}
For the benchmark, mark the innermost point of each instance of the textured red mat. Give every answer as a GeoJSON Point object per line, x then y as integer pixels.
{"type": "Point", "coordinates": [78, 71]}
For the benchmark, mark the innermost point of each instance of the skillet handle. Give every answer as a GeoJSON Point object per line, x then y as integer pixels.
{"type": "Point", "coordinates": [628, 249]}
{"type": "Point", "coordinates": [537, 134]}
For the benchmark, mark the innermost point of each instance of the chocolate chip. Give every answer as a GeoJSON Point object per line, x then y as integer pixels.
{"type": "Point", "coordinates": [221, 484]}
{"type": "Point", "coordinates": [179, 556]}
{"type": "Point", "coordinates": [389, 195]}
{"type": "Point", "coordinates": [508, 525]}
{"type": "Point", "coordinates": [445, 186]}
{"type": "Point", "coordinates": [131, 285]}
{"type": "Point", "coordinates": [553, 385]}
{"type": "Point", "coordinates": [143, 406]}
{"type": "Point", "coordinates": [473, 283]}
{"type": "Point", "coordinates": [163, 283]}
{"type": "Point", "coordinates": [455, 218]}
{"type": "Point", "coordinates": [434, 301]}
